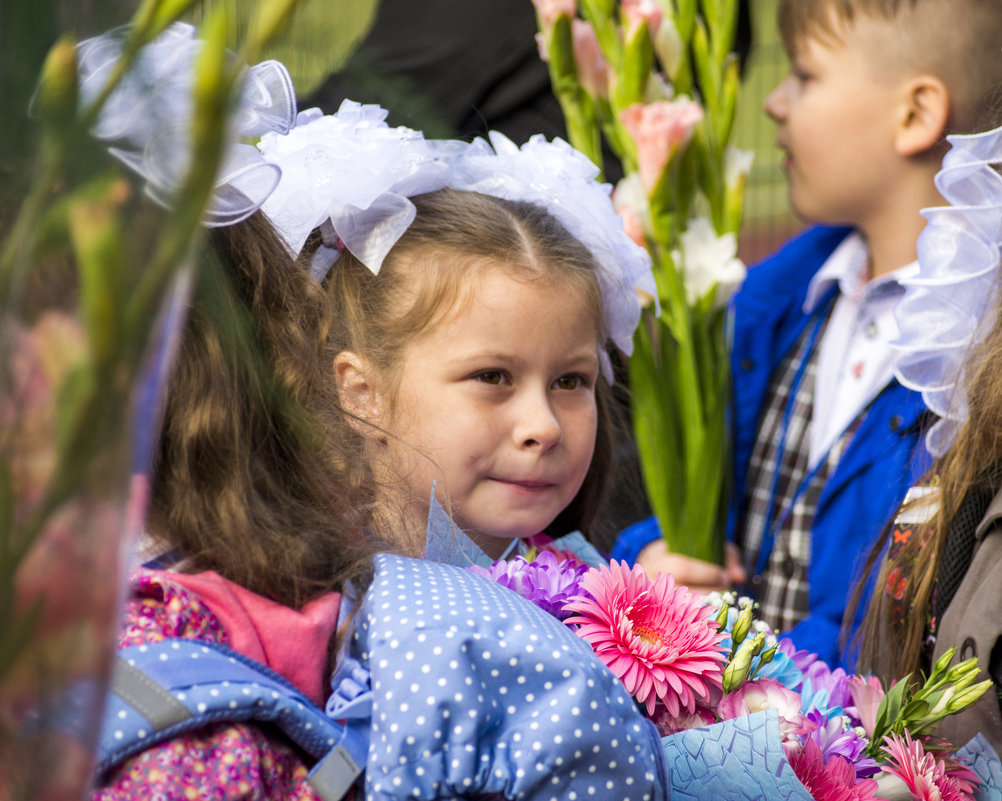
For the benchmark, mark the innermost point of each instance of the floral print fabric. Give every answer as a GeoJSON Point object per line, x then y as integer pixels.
{"type": "Point", "coordinates": [221, 762]}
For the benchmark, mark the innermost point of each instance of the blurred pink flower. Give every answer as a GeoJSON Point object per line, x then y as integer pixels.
{"type": "Point", "coordinates": [630, 202]}
{"type": "Point", "coordinates": [659, 130]}
{"type": "Point", "coordinates": [659, 639]}
{"type": "Point", "coordinates": [760, 694]}
{"type": "Point", "coordinates": [927, 778]}
{"type": "Point", "coordinates": [551, 10]}
{"type": "Point", "coordinates": [831, 781]}
{"type": "Point", "coordinates": [638, 11]}
{"type": "Point", "coordinates": [668, 724]}
{"type": "Point", "coordinates": [593, 70]}
{"type": "Point", "coordinates": [867, 693]}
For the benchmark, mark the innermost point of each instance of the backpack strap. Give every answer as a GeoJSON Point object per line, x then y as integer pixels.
{"type": "Point", "coordinates": [161, 690]}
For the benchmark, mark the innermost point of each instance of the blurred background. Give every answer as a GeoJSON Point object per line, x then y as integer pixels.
{"type": "Point", "coordinates": [324, 51]}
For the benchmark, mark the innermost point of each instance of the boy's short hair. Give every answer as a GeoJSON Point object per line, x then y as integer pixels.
{"type": "Point", "coordinates": [957, 41]}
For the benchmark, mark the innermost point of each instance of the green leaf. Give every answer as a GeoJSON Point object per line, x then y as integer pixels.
{"type": "Point", "coordinates": [889, 711]}
{"type": "Point", "coordinates": [165, 13]}
{"type": "Point", "coordinates": [599, 14]}
{"type": "Point", "coordinates": [272, 17]}
{"type": "Point", "coordinates": [637, 63]}
{"type": "Point", "coordinates": [706, 70]}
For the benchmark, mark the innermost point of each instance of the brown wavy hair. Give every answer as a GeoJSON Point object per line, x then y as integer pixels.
{"type": "Point", "coordinates": [249, 477]}
{"type": "Point", "coordinates": [973, 462]}
{"type": "Point", "coordinates": [430, 271]}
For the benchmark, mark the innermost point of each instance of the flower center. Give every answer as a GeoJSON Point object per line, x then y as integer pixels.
{"type": "Point", "coordinates": [649, 635]}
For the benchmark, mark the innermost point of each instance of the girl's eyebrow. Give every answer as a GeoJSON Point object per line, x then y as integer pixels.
{"type": "Point", "coordinates": [490, 356]}
{"type": "Point", "coordinates": [590, 357]}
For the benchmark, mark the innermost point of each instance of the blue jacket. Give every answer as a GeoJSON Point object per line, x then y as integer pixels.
{"type": "Point", "coordinates": [883, 460]}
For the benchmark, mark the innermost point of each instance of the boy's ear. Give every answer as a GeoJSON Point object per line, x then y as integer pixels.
{"type": "Point", "coordinates": [922, 115]}
{"type": "Point", "coordinates": [359, 394]}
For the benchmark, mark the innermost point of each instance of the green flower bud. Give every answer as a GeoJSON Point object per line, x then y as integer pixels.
{"type": "Point", "coordinates": [738, 668]}
{"type": "Point", "coordinates": [967, 697]}
{"type": "Point", "coordinates": [966, 669]}
{"type": "Point", "coordinates": [943, 662]}
{"type": "Point", "coordinates": [56, 101]}
{"type": "Point", "coordinates": [742, 625]}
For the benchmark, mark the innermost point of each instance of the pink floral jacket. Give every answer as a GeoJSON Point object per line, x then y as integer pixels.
{"type": "Point", "coordinates": [222, 761]}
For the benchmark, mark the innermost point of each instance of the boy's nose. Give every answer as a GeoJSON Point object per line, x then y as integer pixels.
{"type": "Point", "coordinates": [776, 101]}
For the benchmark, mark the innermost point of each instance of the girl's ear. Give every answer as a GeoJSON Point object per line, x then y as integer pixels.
{"type": "Point", "coordinates": [359, 394]}
{"type": "Point", "coordinates": [923, 114]}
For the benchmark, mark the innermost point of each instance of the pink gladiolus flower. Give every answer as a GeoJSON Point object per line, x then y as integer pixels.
{"type": "Point", "coordinates": [550, 11]}
{"type": "Point", "coordinates": [927, 778]}
{"type": "Point", "coordinates": [659, 130]}
{"type": "Point", "coordinates": [831, 781]}
{"type": "Point", "coordinates": [638, 11]}
{"type": "Point", "coordinates": [760, 694]}
{"type": "Point", "coordinates": [659, 639]}
{"type": "Point", "coordinates": [630, 202]}
{"type": "Point", "coordinates": [867, 693]}
{"type": "Point", "coordinates": [633, 225]}
{"type": "Point", "coordinates": [593, 70]}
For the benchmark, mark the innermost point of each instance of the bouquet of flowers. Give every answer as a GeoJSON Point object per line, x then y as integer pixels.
{"type": "Point", "coordinates": [706, 670]}
{"type": "Point", "coordinates": [658, 81]}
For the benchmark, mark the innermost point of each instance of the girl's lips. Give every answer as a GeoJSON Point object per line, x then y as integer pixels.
{"type": "Point", "coordinates": [526, 484]}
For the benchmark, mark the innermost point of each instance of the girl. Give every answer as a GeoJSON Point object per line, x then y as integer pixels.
{"type": "Point", "coordinates": [940, 585]}
{"type": "Point", "coordinates": [471, 349]}
{"type": "Point", "coordinates": [273, 523]}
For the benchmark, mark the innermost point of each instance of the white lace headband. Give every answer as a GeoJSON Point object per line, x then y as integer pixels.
{"type": "Point", "coordinates": [951, 303]}
{"type": "Point", "coordinates": [353, 174]}
{"type": "Point", "coordinates": [148, 118]}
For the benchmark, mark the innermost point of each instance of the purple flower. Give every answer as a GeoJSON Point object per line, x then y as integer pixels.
{"type": "Point", "coordinates": [826, 690]}
{"type": "Point", "coordinates": [805, 661]}
{"type": "Point", "coordinates": [546, 581]}
{"type": "Point", "coordinates": [834, 736]}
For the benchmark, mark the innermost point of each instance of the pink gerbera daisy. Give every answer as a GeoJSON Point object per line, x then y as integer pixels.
{"type": "Point", "coordinates": [660, 640]}
{"type": "Point", "coordinates": [927, 778]}
{"type": "Point", "coordinates": [834, 780]}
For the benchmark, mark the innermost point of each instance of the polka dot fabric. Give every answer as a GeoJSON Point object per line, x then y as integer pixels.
{"type": "Point", "coordinates": [477, 691]}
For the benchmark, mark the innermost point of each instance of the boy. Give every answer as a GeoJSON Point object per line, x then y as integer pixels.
{"type": "Point", "coordinates": [826, 441]}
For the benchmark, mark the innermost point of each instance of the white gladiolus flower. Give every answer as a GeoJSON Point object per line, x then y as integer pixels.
{"type": "Point", "coordinates": [710, 260]}
{"type": "Point", "coordinates": [737, 164]}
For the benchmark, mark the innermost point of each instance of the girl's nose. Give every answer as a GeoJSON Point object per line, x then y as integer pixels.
{"type": "Point", "coordinates": [537, 426]}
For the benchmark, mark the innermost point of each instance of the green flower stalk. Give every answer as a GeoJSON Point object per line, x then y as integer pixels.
{"type": "Point", "coordinates": [667, 111]}
{"type": "Point", "coordinates": [86, 268]}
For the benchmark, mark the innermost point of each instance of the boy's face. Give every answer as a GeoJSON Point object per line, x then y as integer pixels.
{"type": "Point", "coordinates": [835, 114]}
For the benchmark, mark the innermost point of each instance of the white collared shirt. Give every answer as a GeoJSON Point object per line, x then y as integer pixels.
{"type": "Point", "coordinates": [855, 361]}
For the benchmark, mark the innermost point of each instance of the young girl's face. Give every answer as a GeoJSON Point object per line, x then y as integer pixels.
{"type": "Point", "coordinates": [496, 403]}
